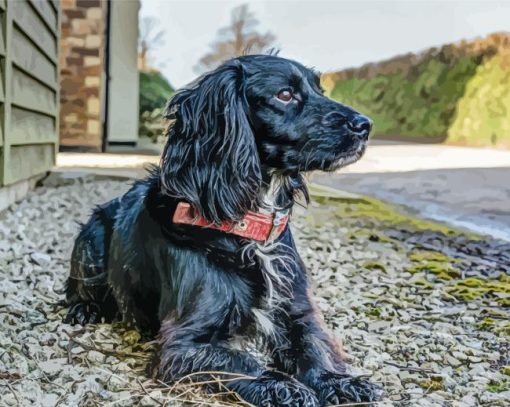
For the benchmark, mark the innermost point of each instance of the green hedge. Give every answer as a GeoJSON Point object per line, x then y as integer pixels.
{"type": "Point", "coordinates": [417, 104]}
{"type": "Point", "coordinates": [483, 113]}
{"type": "Point", "coordinates": [154, 91]}
{"type": "Point", "coordinates": [459, 93]}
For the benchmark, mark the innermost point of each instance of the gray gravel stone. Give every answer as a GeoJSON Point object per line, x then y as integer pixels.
{"type": "Point", "coordinates": [425, 348]}
{"type": "Point", "coordinates": [42, 259]}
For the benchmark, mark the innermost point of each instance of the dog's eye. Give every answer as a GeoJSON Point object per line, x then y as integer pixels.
{"type": "Point", "coordinates": [285, 95]}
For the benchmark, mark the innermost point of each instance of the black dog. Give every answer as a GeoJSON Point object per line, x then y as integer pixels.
{"type": "Point", "coordinates": [188, 254]}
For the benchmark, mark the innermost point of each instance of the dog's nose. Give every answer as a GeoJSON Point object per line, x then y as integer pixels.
{"type": "Point", "coordinates": [360, 125]}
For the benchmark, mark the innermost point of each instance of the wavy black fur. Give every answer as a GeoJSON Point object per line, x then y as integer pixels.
{"type": "Point", "coordinates": [235, 144]}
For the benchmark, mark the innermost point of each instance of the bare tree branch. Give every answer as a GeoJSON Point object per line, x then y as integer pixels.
{"type": "Point", "coordinates": [239, 38]}
{"type": "Point", "coordinates": [150, 37]}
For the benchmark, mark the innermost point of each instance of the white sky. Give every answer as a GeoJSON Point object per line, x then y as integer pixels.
{"type": "Point", "coordinates": [328, 35]}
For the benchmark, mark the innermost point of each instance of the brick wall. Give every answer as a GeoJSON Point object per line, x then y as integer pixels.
{"type": "Point", "coordinates": [81, 73]}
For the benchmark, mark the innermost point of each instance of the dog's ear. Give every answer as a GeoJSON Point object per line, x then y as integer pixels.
{"type": "Point", "coordinates": [210, 159]}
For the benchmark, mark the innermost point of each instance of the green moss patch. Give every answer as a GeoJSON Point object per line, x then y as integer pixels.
{"type": "Point", "coordinates": [498, 386]}
{"type": "Point", "coordinates": [499, 327]}
{"type": "Point", "coordinates": [373, 265]}
{"type": "Point", "coordinates": [388, 215]}
{"type": "Point", "coordinates": [442, 270]}
{"type": "Point", "coordinates": [430, 255]}
{"type": "Point", "coordinates": [433, 384]}
{"type": "Point", "coordinates": [472, 288]}
{"type": "Point", "coordinates": [421, 282]}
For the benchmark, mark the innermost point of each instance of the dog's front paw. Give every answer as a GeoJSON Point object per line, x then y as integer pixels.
{"type": "Point", "coordinates": [83, 313]}
{"type": "Point", "coordinates": [334, 388]}
{"type": "Point", "coordinates": [275, 389]}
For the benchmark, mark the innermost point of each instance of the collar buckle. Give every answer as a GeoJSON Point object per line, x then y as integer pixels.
{"type": "Point", "coordinates": [280, 217]}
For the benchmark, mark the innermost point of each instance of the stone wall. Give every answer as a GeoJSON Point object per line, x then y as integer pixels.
{"type": "Point", "coordinates": [82, 66]}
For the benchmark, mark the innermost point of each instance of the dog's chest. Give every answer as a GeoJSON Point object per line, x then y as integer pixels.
{"type": "Point", "coordinates": [272, 280]}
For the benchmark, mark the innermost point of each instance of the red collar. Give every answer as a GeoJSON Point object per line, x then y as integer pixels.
{"type": "Point", "coordinates": [254, 225]}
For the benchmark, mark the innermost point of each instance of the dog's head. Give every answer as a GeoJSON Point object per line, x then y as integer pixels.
{"type": "Point", "coordinates": [253, 115]}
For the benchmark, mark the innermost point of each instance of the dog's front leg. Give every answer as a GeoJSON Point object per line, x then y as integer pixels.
{"type": "Point", "coordinates": [187, 349]}
{"type": "Point", "coordinates": [316, 360]}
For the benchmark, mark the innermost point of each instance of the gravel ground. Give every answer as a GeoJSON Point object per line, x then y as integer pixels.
{"type": "Point", "coordinates": [420, 308]}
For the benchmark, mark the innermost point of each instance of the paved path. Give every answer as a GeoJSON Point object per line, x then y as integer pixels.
{"type": "Point", "coordinates": [466, 187]}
